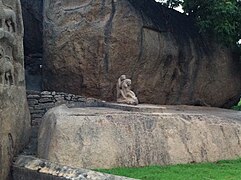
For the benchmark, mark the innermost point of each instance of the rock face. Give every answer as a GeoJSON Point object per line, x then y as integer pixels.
{"type": "Point", "coordinates": [14, 113]}
{"type": "Point", "coordinates": [107, 138]}
{"type": "Point", "coordinates": [89, 44]}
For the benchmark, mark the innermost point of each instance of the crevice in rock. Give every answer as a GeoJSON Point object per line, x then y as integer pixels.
{"type": "Point", "coordinates": [107, 37]}
{"type": "Point", "coordinates": [141, 37]}
{"type": "Point", "coordinates": [194, 75]}
{"type": "Point", "coordinates": [204, 153]}
{"type": "Point", "coordinates": [237, 135]}
{"type": "Point", "coordinates": [183, 68]}
{"type": "Point", "coordinates": [137, 145]}
{"type": "Point", "coordinates": [33, 42]}
{"type": "Point", "coordinates": [102, 5]}
{"type": "Point", "coordinates": [155, 29]}
{"type": "Point", "coordinates": [184, 134]}
{"type": "Point", "coordinates": [140, 46]}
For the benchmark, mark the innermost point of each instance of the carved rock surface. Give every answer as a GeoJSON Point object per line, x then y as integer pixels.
{"type": "Point", "coordinates": [89, 44]}
{"type": "Point", "coordinates": [14, 113]}
{"type": "Point", "coordinates": [107, 137]}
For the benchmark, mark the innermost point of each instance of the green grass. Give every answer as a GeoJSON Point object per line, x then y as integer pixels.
{"type": "Point", "coordinates": [221, 170]}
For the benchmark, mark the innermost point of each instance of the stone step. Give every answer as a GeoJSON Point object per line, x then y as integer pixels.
{"type": "Point", "coordinates": [29, 168]}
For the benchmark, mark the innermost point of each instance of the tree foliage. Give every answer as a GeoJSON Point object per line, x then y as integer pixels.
{"type": "Point", "coordinates": [171, 3]}
{"type": "Point", "coordinates": [218, 18]}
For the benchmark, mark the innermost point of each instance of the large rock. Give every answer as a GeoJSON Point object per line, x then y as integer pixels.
{"type": "Point", "coordinates": [89, 44]}
{"type": "Point", "coordinates": [14, 113]}
{"type": "Point", "coordinates": [146, 135]}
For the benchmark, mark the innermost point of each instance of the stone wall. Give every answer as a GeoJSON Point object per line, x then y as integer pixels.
{"type": "Point", "coordinates": [40, 102]}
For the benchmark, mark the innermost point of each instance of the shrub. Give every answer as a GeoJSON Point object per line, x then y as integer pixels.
{"type": "Point", "coordinates": [238, 107]}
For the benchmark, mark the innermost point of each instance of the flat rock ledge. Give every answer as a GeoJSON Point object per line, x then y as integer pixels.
{"type": "Point", "coordinates": [134, 136]}
{"type": "Point", "coordinates": [29, 168]}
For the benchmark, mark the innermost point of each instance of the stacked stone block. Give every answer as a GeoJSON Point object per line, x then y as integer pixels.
{"type": "Point", "coordinates": [40, 102]}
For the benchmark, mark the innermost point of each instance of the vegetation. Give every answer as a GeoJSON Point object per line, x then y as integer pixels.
{"type": "Point", "coordinates": [238, 107]}
{"type": "Point", "coordinates": [221, 170]}
{"type": "Point", "coordinates": [171, 3]}
{"type": "Point", "coordinates": [217, 18]}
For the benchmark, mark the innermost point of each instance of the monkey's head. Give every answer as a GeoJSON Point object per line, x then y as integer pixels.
{"type": "Point", "coordinates": [122, 77]}
{"type": "Point", "coordinates": [128, 82]}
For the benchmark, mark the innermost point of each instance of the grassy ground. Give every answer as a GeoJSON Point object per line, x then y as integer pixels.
{"type": "Point", "coordinates": [221, 170]}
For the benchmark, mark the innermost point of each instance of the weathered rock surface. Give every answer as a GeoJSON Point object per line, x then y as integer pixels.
{"type": "Point", "coordinates": [14, 113]}
{"type": "Point", "coordinates": [89, 44]}
{"type": "Point", "coordinates": [29, 168]}
{"type": "Point", "coordinates": [33, 26]}
{"type": "Point", "coordinates": [106, 137]}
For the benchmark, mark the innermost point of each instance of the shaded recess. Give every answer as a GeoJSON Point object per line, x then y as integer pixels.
{"type": "Point", "coordinates": [33, 42]}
